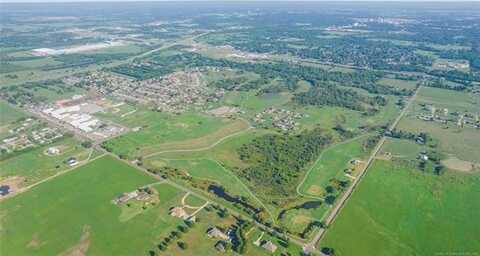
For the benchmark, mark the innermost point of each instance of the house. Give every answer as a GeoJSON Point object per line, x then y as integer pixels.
{"type": "Point", "coordinates": [53, 151]}
{"type": "Point", "coordinates": [220, 246]}
{"type": "Point", "coordinates": [179, 212]}
{"type": "Point", "coordinates": [72, 161]}
{"type": "Point", "coordinates": [125, 197]}
{"type": "Point", "coordinates": [269, 246]}
{"type": "Point", "coordinates": [214, 232]}
{"type": "Point", "coordinates": [4, 190]}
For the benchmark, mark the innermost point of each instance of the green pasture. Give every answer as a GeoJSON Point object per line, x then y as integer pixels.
{"type": "Point", "coordinates": [206, 169]}
{"type": "Point", "coordinates": [159, 128]}
{"type": "Point", "coordinates": [332, 163]}
{"type": "Point", "coordinates": [401, 211]}
{"type": "Point", "coordinates": [401, 149]}
{"type": "Point", "coordinates": [453, 100]}
{"type": "Point", "coordinates": [74, 213]}
{"type": "Point", "coordinates": [9, 114]}
{"type": "Point", "coordinates": [401, 84]}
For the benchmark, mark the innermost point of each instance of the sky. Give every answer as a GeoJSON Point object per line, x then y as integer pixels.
{"type": "Point", "coordinates": [60, 1]}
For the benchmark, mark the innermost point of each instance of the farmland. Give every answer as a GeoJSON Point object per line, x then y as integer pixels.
{"type": "Point", "coordinates": [171, 128]}
{"type": "Point", "coordinates": [395, 207]}
{"type": "Point", "coordinates": [91, 187]}
{"type": "Point", "coordinates": [332, 164]}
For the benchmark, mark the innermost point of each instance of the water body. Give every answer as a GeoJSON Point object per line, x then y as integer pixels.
{"type": "Point", "coordinates": [220, 192]}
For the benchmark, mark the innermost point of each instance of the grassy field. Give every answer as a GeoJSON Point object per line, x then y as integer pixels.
{"type": "Point", "coordinates": [74, 214]}
{"type": "Point", "coordinates": [454, 100]}
{"type": "Point", "coordinates": [405, 212]}
{"type": "Point", "coordinates": [35, 165]}
{"type": "Point", "coordinates": [230, 128]}
{"type": "Point", "coordinates": [328, 117]}
{"type": "Point", "coordinates": [9, 114]}
{"type": "Point", "coordinates": [460, 143]}
{"type": "Point", "coordinates": [332, 163]}
{"type": "Point", "coordinates": [156, 129]}
{"type": "Point", "coordinates": [402, 149]}
{"type": "Point", "coordinates": [252, 103]}
{"type": "Point", "coordinates": [204, 169]}
{"type": "Point", "coordinates": [401, 84]}
{"type": "Point", "coordinates": [225, 152]}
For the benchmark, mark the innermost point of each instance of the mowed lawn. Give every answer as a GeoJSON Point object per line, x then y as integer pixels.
{"type": "Point", "coordinates": [74, 213]}
{"type": "Point", "coordinates": [400, 211]}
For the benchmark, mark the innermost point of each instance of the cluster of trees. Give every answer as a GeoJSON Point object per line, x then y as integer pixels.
{"type": "Point", "coordinates": [173, 237]}
{"type": "Point", "coordinates": [329, 95]}
{"type": "Point", "coordinates": [26, 93]}
{"type": "Point", "coordinates": [239, 242]}
{"type": "Point", "coordinates": [311, 227]}
{"type": "Point", "coordinates": [161, 64]}
{"type": "Point", "coordinates": [351, 50]}
{"type": "Point", "coordinates": [241, 83]}
{"type": "Point", "coordinates": [79, 60]}
{"type": "Point", "coordinates": [473, 56]}
{"type": "Point", "coordinates": [432, 164]}
{"type": "Point", "coordinates": [370, 142]}
{"type": "Point", "coordinates": [421, 137]}
{"type": "Point", "coordinates": [276, 162]}
{"type": "Point", "coordinates": [443, 84]}
{"type": "Point", "coordinates": [240, 202]}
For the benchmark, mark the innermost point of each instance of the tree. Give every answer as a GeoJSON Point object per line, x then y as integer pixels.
{"type": "Point", "coordinates": [87, 144]}
{"type": "Point", "coordinates": [330, 199]}
{"type": "Point", "coordinates": [182, 245]}
{"type": "Point", "coordinates": [182, 228]}
{"type": "Point", "coordinates": [328, 251]}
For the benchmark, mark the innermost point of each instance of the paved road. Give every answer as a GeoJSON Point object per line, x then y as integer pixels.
{"type": "Point", "coordinates": [310, 247]}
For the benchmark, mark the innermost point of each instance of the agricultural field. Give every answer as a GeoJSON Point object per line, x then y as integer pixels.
{"type": "Point", "coordinates": [396, 207]}
{"type": "Point", "coordinates": [332, 163]}
{"type": "Point", "coordinates": [98, 232]}
{"type": "Point", "coordinates": [246, 129]}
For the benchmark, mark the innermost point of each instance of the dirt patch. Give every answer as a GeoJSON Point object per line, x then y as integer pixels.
{"type": "Point", "coordinates": [158, 163]}
{"type": "Point", "coordinates": [458, 165]}
{"type": "Point", "coordinates": [81, 248]}
{"type": "Point", "coordinates": [182, 125]}
{"type": "Point", "coordinates": [385, 156]}
{"type": "Point", "coordinates": [315, 190]}
{"type": "Point", "coordinates": [300, 219]}
{"type": "Point", "coordinates": [35, 242]}
{"type": "Point", "coordinates": [14, 182]}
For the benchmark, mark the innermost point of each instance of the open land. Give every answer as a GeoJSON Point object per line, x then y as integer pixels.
{"type": "Point", "coordinates": [242, 130]}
